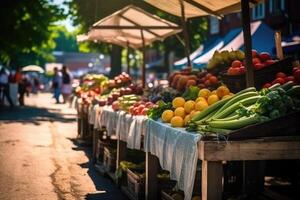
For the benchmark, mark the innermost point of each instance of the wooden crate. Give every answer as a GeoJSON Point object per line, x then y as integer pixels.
{"type": "Point", "coordinates": [238, 82]}
{"type": "Point", "coordinates": [109, 159]}
{"type": "Point", "coordinates": [135, 185]}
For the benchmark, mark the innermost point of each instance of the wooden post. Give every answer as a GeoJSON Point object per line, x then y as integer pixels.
{"type": "Point", "coordinates": [144, 60]}
{"type": "Point", "coordinates": [279, 51]}
{"type": "Point", "coordinates": [151, 177]}
{"type": "Point", "coordinates": [185, 34]}
{"type": "Point", "coordinates": [121, 151]}
{"type": "Point", "coordinates": [212, 174]}
{"type": "Point", "coordinates": [127, 59]}
{"type": "Point", "coordinates": [247, 42]}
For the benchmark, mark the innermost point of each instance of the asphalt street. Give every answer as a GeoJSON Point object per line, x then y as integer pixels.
{"type": "Point", "coordinates": [40, 158]}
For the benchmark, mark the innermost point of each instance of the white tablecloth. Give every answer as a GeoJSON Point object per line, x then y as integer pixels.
{"type": "Point", "coordinates": [177, 153]}
{"type": "Point", "coordinates": [130, 129]}
{"type": "Point", "coordinates": [108, 119]}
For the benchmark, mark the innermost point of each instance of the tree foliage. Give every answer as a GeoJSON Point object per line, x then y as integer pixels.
{"type": "Point", "coordinates": [25, 30]}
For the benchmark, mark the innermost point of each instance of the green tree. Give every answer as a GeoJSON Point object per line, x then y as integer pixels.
{"type": "Point", "coordinates": [25, 30]}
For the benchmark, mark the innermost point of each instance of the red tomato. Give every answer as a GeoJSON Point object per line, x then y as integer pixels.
{"type": "Point", "coordinates": [254, 53]}
{"type": "Point", "coordinates": [280, 75]}
{"type": "Point", "coordinates": [265, 56]}
{"type": "Point", "coordinates": [296, 74]}
{"type": "Point", "coordinates": [236, 64]}
{"type": "Point", "coordinates": [213, 80]}
{"type": "Point", "coordinates": [267, 85]}
{"type": "Point", "coordinates": [279, 80]}
{"type": "Point", "coordinates": [289, 78]}
{"type": "Point", "coordinates": [144, 111]}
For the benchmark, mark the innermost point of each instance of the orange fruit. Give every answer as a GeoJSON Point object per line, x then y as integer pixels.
{"type": "Point", "coordinates": [222, 91]}
{"type": "Point", "coordinates": [177, 121]}
{"type": "Point", "coordinates": [212, 99]}
{"type": "Point", "coordinates": [204, 93]}
{"type": "Point", "coordinates": [189, 106]}
{"type": "Point", "coordinates": [178, 102]}
{"type": "Point", "coordinates": [179, 112]}
{"type": "Point", "coordinates": [167, 115]}
{"type": "Point", "coordinates": [201, 105]}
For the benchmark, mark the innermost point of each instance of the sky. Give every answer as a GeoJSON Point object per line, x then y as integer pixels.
{"type": "Point", "coordinates": [67, 22]}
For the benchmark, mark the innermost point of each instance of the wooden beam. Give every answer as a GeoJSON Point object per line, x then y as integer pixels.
{"type": "Point", "coordinates": [212, 174]}
{"type": "Point", "coordinates": [185, 34]}
{"type": "Point", "coordinates": [279, 148]}
{"type": "Point", "coordinates": [144, 60]}
{"type": "Point", "coordinates": [116, 27]}
{"type": "Point", "coordinates": [151, 32]}
{"type": "Point", "coordinates": [203, 8]}
{"type": "Point", "coordinates": [151, 177]}
{"type": "Point", "coordinates": [247, 42]}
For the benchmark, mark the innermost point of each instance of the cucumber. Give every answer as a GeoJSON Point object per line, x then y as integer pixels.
{"type": "Point", "coordinates": [206, 118]}
{"type": "Point", "coordinates": [245, 102]}
{"type": "Point", "coordinates": [276, 85]}
{"type": "Point", "coordinates": [236, 123]}
{"type": "Point", "coordinates": [210, 109]}
{"type": "Point", "coordinates": [236, 99]}
{"type": "Point", "coordinates": [294, 91]}
{"type": "Point", "coordinates": [236, 116]}
{"type": "Point", "coordinates": [287, 85]}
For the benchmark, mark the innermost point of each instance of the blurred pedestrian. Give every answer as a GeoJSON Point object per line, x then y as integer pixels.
{"type": "Point", "coordinates": [4, 87]}
{"type": "Point", "coordinates": [56, 84]}
{"type": "Point", "coordinates": [35, 85]}
{"type": "Point", "coordinates": [66, 88]}
{"type": "Point", "coordinates": [18, 78]}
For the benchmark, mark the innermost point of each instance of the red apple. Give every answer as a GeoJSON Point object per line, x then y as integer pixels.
{"type": "Point", "coordinates": [128, 91]}
{"type": "Point", "coordinates": [236, 64]}
{"type": "Point", "coordinates": [130, 109]}
{"type": "Point", "coordinates": [207, 83]}
{"type": "Point", "coordinates": [254, 53]}
{"type": "Point", "coordinates": [269, 62]}
{"type": "Point", "coordinates": [255, 61]}
{"type": "Point", "coordinates": [295, 69]}
{"type": "Point", "coordinates": [265, 56]}
{"type": "Point", "coordinates": [280, 75]}
{"type": "Point", "coordinates": [259, 66]}
{"type": "Point", "coordinates": [242, 69]}
{"type": "Point", "coordinates": [149, 104]}
{"type": "Point", "coordinates": [213, 80]}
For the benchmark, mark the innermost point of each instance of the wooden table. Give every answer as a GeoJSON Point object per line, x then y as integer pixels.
{"type": "Point", "coordinates": [213, 153]}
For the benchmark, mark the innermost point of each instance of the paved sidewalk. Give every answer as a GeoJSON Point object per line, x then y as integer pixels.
{"type": "Point", "coordinates": [40, 158]}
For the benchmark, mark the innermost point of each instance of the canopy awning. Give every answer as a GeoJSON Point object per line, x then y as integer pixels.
{"type": "Point", "coordinates": [196, 8]}
{"type": "Point", "coordinates": [124, 28]}
{"type": "Point", "coordinates": [234, 40]}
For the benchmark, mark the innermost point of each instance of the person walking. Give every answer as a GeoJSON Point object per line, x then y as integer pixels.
{"type": "Point", "coordinates": [18, 78]}
{"type": "Point", "coordinates": [66, 88]}
{"type": "Point", "coordinates": [56, 84]}
{"type": "Point", "coordinates": [4, 87]}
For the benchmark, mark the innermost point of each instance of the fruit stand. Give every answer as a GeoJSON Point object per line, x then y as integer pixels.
{"type": "Point", "coordinates": [209, 119]}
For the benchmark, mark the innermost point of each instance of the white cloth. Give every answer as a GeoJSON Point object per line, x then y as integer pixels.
{"type": "Point", "coordinates": [124, 121]}
{"type": "Point", "coordinates": [176, 150]}
{"type": "Point", "coordinates": [138, 127]}
{"type": "Point", "coordinates": [108, 119]}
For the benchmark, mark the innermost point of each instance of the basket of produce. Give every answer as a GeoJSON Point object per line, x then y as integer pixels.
{"type": "Point", "coordinates": [265, 70]}
{"type": "Point", "coordinates": [136, 183]}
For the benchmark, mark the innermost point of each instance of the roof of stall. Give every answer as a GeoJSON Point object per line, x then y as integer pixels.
{"type": "Point", "coordinates": [196, 8]}
{"type": "Point", "coordinates": [124, 28]}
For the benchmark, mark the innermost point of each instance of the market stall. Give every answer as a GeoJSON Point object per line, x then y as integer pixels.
{"type": "Point", "coordinates": [198, 121]}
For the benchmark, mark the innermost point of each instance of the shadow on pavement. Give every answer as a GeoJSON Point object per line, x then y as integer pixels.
{"type": "Point", "coordinates": [33, 115]}
{"type": "Point", "coordinates": [101, 183]}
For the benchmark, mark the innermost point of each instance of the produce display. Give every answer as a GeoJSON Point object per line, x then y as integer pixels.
{"type": "Point", "coordinates": [245, 108]}
{"type": "Point", "coordinates": [259, 60]}
{"type": "Point", "coordinates": [192, 102]}
{"type": "Point", "coordinates": [282, 78]}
